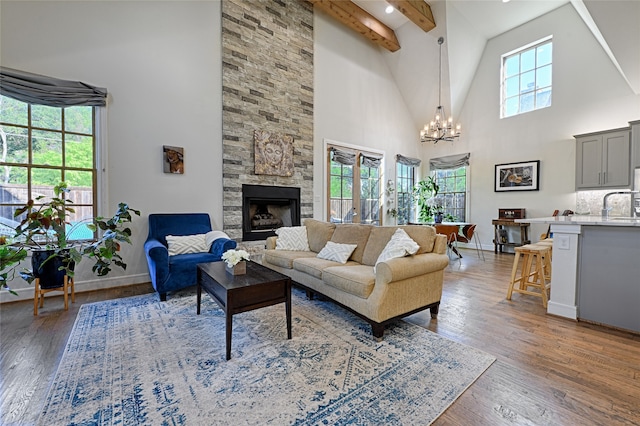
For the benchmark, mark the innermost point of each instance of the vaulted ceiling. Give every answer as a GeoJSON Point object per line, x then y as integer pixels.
{"type": "Point", "coordinates": [467, 25]}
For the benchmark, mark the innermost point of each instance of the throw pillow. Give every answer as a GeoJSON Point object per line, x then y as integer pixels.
{"type": "Point", "coordinates": [400, 245]}
{"type": "Point", "coordinates": [183, 244]}
{"type": "Point", "coordinates": [337, 252]}
{"type": "Point", "coordinates": [211, 236]}
{"type": "Point", "coordinates": [292, 238]}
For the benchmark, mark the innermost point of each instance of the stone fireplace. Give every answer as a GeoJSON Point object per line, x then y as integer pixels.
{"type": "Point", "coordinates": [267, 85]}
{"type": "Point", "coordinates": [266, 208]}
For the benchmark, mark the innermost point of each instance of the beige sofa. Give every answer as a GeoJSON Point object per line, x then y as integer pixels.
{"type": "Point", "coordinates": [399, 286]}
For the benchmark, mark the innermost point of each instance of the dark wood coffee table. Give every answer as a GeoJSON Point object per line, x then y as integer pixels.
{"type": "Point", "coordinates": [258, 288]}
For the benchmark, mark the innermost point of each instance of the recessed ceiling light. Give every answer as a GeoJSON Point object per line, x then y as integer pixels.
{"type": "Point", "coordinates": [389, 9]}
{"type": "Point", "coordinates": [506, 1]}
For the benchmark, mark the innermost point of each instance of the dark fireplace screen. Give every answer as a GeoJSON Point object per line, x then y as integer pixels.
{"type": "Point", "coordinates": [267, 208]}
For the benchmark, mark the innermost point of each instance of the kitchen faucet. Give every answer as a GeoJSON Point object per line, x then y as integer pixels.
{"type": "Point", "coordinates": [606, 208]}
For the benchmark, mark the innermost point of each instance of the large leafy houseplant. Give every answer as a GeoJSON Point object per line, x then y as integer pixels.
{"type": "Point", "coordinates": [44, 226]}
{"type": "Point", "coordinates": [425, 192]}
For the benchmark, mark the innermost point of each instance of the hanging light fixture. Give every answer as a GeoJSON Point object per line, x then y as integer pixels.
{"type": "Point", "coordinates": [440, 128]}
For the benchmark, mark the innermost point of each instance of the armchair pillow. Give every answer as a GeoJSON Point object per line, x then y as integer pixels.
{"type": "Point", "coordinates": [183, 244]}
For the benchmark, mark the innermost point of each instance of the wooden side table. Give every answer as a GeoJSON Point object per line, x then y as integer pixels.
{"type": "Point", "coordinates": [499, 225]}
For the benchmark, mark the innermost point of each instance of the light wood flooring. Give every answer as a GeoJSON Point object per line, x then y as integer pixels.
{"type": "Point", "coordinates": [549, 370]}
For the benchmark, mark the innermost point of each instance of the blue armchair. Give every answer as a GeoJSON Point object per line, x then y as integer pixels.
{"type": "Point", "coordinates": [171, 273]}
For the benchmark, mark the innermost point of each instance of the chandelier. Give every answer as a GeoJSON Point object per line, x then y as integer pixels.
{"type": "Point", "coordinates": [440, 128]}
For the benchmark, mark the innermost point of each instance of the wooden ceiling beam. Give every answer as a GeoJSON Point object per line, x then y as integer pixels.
{"type": "Point", "coordinates": [356, 18]}
{"type": "Point", "coordinates": [417, 11]}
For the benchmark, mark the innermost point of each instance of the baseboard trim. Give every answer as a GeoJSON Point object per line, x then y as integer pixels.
{"type": "Point", "coordinates": [26, 293]}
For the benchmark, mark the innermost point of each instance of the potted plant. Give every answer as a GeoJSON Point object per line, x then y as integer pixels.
{"type": "Point", "coordinates": [437, 208]}
{"type": "Point", "coordinates": [43, 231]}
{"type": "Point", "coordinates": [424, 192]}
{"type": "Point", "coordinates": [10, 258]}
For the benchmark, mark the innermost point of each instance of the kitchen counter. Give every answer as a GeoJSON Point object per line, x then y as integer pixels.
{"type": "Point", "coordinates": [585, 220]}
{"type": "Point", "coordinates": [595, 269]}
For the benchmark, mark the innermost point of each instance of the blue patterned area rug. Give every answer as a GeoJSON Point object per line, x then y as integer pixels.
{"type": "Point", "coordinates": [138, 361]}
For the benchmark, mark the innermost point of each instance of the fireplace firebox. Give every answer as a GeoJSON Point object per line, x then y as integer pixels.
{"type": "Point", "coordinates": [267, 208]}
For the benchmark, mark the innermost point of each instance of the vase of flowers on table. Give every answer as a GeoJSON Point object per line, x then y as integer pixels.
{"type": "Point", "coordinates": [235, 261]}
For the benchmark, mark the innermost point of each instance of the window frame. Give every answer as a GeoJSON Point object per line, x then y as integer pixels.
{"type": "Point", "coordinates": [356, 190]}
{"type": "Point", "coordinates": [449, 198]}
{"type": "Point", "coordinates": [405, 213]}
{"type": "Point", "coordinates": [85, 209]}
{"type": "Point", "coordinates": [536, 92]}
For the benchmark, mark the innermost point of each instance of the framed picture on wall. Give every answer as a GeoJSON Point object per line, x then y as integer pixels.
{"type": "Point", "coordinates": [173, 159]}
{"type": "Point", "coordinates": [523, 176]}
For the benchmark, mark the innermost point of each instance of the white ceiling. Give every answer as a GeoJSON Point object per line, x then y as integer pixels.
{"type": "Point", "coordinates": [612, 22]}
{"type": "Point", "coordinates": [489, 17]}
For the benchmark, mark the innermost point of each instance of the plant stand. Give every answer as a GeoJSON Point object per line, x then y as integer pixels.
{"type": "Point", "coordinates": [67, 287]}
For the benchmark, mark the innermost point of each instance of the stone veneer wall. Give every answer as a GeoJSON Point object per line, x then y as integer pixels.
{"type": "Point", "coordinates": [267, 84]}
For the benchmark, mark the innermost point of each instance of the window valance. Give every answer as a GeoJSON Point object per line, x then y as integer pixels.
{"type": "Point", "coordinates": [449, 162]}
{"type": "Point", "coordinates": [347, 158]}
{"type": "Point", "coordinates": [408, 161]}
{"type": "Point", "coordinates": [370, 160]}
{"type": "Point", "coordinates": [42, 90]}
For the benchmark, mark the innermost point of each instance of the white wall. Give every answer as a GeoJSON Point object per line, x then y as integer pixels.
{"type": "Point", "coordinates": [588, 95]}
{"type": "Point", "coordinates": [160, 62]}
{"type": "Point", "coordinates": [134, 49]}
{"type": "Point", "coordinates": [356, 101]}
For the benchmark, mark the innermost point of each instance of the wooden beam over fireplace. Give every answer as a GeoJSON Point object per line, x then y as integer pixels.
{"type": "Point", "coordinates": [356, 18]}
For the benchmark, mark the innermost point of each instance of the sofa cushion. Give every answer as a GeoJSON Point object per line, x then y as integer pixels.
{"type": "Point", "coordinates": [315, 265]}
{"type": "Point", "coordinates": [424, 235]}
{"type": "Point", "coordinates": [400, 245]}
{"type": "Point", "coordinates": [285, 258]}
{"type": "Point", "coordinates": [337, 252]}
{"type": "Point", "coordinates": [318, 233]}
{"type": "Point", "coordinates": [358, 280]}
{"type": "Point", "coordinates": [292, 238]}
{"type": "Point", "coordinates": [353, 233]}
{"type": "Point", "coordinates": [185, 244]}
{"type": "Point", "coordinates": [378, 239]}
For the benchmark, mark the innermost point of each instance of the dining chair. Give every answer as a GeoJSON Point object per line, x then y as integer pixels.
{"type": "Point", "coordinates": [469, 233]}
{"type": "Point", "coordinates": [451, 232]}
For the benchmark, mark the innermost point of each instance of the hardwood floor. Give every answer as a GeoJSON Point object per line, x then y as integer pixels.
{"type": "Point", "coordinates": [549, 370]}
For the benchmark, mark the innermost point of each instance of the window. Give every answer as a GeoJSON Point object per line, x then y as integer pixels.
{"type": "Point", "coordinates": [450, 174]}
{"type": "Point", "coordinates": [453, 192]}
{"type": "Point", "coordinates": [405, 181]}
{"type": "Point", "coordinates": [42, 146]}
{"type": "Point", "coordinates": [354, 180]}
{"type": "Point", "coordinates": [526, 78]}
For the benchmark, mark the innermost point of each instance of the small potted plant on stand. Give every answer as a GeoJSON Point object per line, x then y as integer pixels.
{"type": "Point", "coordinates": [43, 231]}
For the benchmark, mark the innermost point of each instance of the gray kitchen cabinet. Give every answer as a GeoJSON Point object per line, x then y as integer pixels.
{"type": "Point", "coordinates": [635, 144]}
{"type": "Point", "coordinates": [603, 159]}
{"type": "Point", "coordinates": [609, 290]}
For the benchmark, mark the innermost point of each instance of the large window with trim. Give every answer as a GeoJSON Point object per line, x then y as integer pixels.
{"type": "Point", "coordinates": [354, 182]}
{"type": "Point", "coordinates": [450, 174]}
{"type": "Point", "coordinates": [526, 78]}
{"type": "Point", "coordinates": [42, 146]}
{"type": "Point", "coordinates": [452, 192]}
{"type": "Point", "coordinates": [406, 172]}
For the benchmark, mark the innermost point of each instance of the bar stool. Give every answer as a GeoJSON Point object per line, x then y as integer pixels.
{"type": "Point", "coordinates": [533, 272]}
{"type": "Point", "coordinates": [547, 259]}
